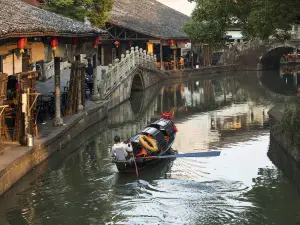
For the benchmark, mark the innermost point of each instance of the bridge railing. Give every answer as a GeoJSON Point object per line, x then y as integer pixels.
{"type": "Point", "coordinates": [121, 68]}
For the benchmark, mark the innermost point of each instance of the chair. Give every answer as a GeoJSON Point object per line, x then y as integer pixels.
{"type": "Point", "coordinates": [166, 65]}
{"type": "Point", "coordinates": [181, 63]}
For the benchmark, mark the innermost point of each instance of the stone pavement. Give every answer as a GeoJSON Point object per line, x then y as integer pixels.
{"type": "Point", "coordinates": [47, 87]}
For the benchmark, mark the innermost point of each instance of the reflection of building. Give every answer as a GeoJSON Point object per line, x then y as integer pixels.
{"type": "Point", "coordinates": [240, 116]}
{"type": "Point", "coordinates": [290, 74]}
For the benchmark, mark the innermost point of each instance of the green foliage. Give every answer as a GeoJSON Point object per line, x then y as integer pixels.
{"type": "Point", "coordinates": [257, 18]}
{"type": "Point", "coordinates": [205, 32]}
{"type": "Point", "coordinates": [97, 11]}
{"type": "Point", "coordinates": [291, 119]}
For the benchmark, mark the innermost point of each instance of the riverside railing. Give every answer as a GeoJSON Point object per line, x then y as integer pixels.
{"type": "Point", "coordinates": [122, 68]}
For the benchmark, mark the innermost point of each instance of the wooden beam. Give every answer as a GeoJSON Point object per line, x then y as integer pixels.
{"type": "Point", "coordinates": [161, 55]}
{"type": "Point", "coordinates": [121, 33]}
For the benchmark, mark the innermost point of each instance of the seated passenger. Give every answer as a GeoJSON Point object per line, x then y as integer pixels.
{"type": "Point", "coordinates": [120, 150]}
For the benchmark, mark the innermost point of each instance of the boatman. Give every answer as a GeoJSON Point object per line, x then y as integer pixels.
{"type": "Point", "coordinates": [120, 150]}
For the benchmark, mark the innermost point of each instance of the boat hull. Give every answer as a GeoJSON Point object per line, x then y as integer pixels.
{"type": "Point", "coordinates": [129, 166]}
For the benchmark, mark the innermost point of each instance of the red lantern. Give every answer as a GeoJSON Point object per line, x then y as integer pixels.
{"type": "Point", "coordinates": [96, 42]}
{"type": "Point", "coordinates": [130, 43]}
{"type": "Point", "coordinates": [185, 42]}
{"type": "Point", "coordinates": [54, 43]}
{"type": "Point", "coordinates": [171, 42]}
{"type": "Point", "coordinates": [117, 44]}
{"type": "Point", "coordinates": [22, 42]}
{"type": "Point", "coordinates": [75, 41]}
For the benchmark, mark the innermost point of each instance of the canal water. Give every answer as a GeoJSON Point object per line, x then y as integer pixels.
{"type": "Point", "coordinates": [80, 185]}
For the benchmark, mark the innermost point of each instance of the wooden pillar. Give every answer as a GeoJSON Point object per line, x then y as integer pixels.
{"type": "Point", "coordinates": [102, 55]}
{"type": "Point", "coordinates": [96, 96]}
{"type": "Point", "coordinates": [175, 59]}
{"type": "Point", "coordinates": [175, 96]}
{"type": "Point", "coordinates": [161, 55]}
{"type": "Point", "coordinates": [79, 78]}
{"type": "Point", "coordinates": [58, 120]}
{"type": "Point", "coordinates": [162, 101]}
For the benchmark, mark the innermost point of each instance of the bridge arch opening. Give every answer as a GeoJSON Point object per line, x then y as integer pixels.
{"type": "Point", "coordinates": [271, 59]}
{"type": "Point", "coordinates": [137, 95]}
{"type": "Point", "coordinates": [137, 83]}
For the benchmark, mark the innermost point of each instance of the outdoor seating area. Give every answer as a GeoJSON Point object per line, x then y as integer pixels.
{"type": "Point", "coordinates": [44, 112]}
{"type": "Point", "coordinates": [169, 65]}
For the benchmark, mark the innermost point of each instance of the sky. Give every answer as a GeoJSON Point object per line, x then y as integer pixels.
{"type": "Point", "coordinates": [180, 5]}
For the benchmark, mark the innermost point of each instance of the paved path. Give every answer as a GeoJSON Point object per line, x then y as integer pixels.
{"type": "Point", "coordinates": [47, 87]}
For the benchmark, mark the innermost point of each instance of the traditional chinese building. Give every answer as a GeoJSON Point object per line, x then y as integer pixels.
{"type": "Point", "coordinates": [147, 24]}
{"type": "Point", "coordinates": [29, 35]}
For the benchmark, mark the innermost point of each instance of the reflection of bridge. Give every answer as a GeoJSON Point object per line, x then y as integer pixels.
{"type": "Point", "coordinates": [133, 115]}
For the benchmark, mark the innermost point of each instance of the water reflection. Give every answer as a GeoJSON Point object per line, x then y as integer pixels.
{"type": "Point", "coordinates": [241, 186]}
{"type": "Point", "coordinates": [284, 81]}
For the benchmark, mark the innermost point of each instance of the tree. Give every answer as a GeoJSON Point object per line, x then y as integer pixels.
{"type": "Point", "coordinates": [97, 11]}
{"type": "Point", "coordinates": [260, 19]}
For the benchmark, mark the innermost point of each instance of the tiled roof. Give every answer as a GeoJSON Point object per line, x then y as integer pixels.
{"type": "Point", "coordinates": [20, 19]}
{"type": "Point", "coordinates": [149, 17]}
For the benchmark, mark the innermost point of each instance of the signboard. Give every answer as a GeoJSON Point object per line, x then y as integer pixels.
{"type": "Point", "coordinates": [150, 47]}
{"type": "Point", "coordinates": [154, 41]}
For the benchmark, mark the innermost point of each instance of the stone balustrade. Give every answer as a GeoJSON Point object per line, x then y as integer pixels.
{"type": "Point", "coordinates": [121, 68]}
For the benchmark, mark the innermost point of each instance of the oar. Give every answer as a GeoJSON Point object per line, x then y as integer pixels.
{"type": "Point", "coordinates": [197, 154]}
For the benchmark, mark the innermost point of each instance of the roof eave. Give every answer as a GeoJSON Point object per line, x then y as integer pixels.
{"type": "Point", "coordinates": [44, 34]}
{"type": "Point", "coordinates": [145, 33]}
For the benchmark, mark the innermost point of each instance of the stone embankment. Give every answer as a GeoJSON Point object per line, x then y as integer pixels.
{"type": "Point", "coordinates": [290, 143]}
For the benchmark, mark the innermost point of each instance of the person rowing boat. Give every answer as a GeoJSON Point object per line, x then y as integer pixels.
{"type": "Point", "coordinates": [121, 151]}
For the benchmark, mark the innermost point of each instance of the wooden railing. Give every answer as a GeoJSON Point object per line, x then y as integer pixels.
{"type": "Point", "coordinates": [121, 69]}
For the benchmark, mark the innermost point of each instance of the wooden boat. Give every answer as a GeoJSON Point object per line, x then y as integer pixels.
{"type": "Point", "coordinates": [161, 133]}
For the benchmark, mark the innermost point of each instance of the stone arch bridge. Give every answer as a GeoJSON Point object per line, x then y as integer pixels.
{"type": "Point", "coordinates": [135, 71]}
{"type": "Point", "coordinates": [258, 54]}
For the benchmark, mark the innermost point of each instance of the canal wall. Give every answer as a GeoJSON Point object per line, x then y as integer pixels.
{"type": "Point", "coordinates": [290, 143]}
{"type": "Point", "coordinates": [19, 160]}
